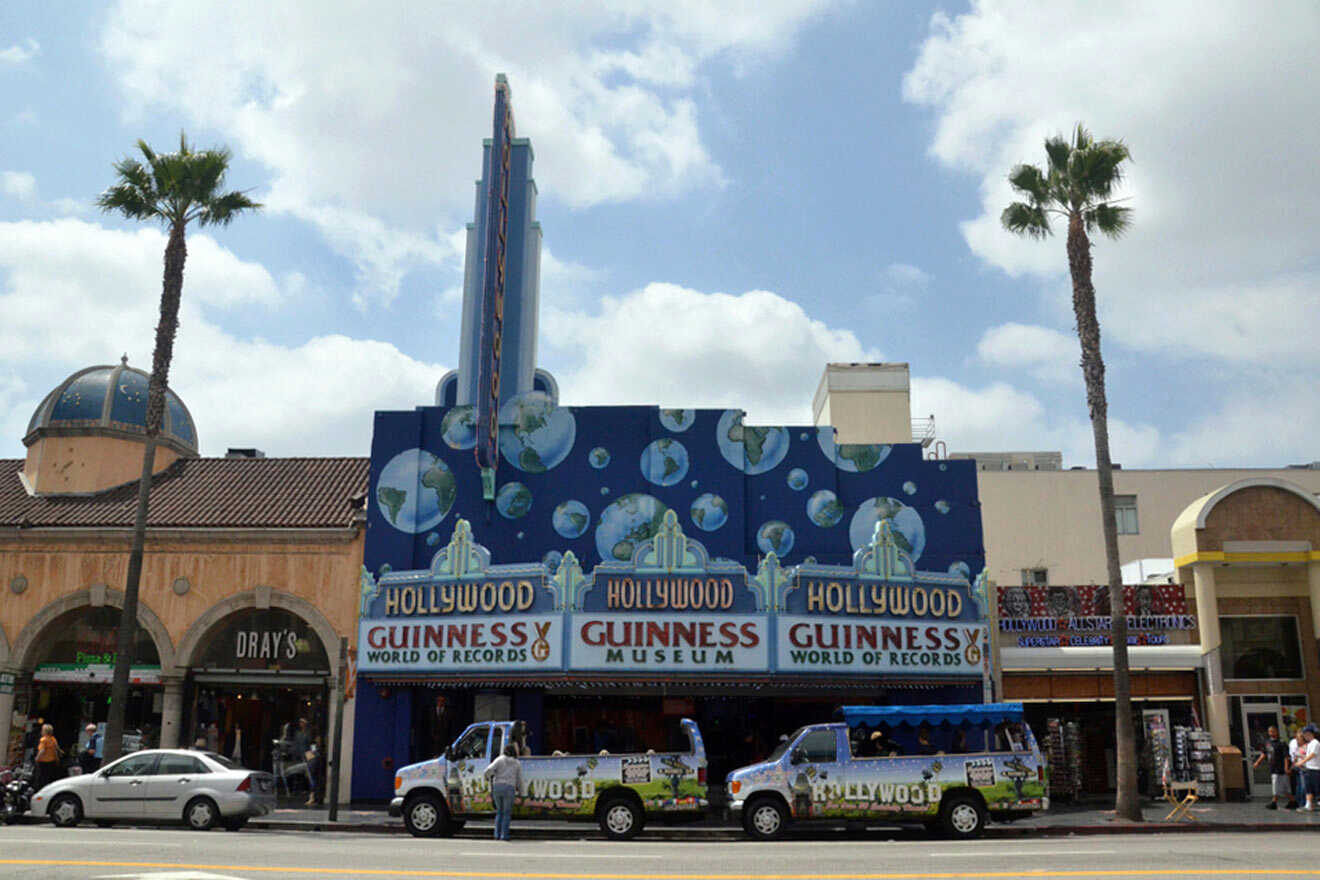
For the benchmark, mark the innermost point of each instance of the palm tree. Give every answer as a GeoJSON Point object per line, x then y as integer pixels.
{"type": "Point", "coordinates": [1078, 186]}
{"type": "Point", "coordinates": [175, 189]}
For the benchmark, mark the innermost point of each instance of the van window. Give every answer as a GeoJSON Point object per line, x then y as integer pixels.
{"type": "Point", "coordinates": [497, 743]}
{"type": "Point", "coordinates": [473, 744]}
{"type": "Point", "coordinates": [819, 747]}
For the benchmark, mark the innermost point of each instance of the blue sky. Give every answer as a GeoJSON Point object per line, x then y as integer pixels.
{"type": "Point", "coordinates": [732, 194]}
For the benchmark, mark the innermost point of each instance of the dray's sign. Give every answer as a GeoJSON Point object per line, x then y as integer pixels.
{"type": "Point", "coordinates": [671, 609]}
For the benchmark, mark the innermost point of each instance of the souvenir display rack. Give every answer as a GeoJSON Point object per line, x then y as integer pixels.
{"type": "Point", "coordinates": [1065, 750]}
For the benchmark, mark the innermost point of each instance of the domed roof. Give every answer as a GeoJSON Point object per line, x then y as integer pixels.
{"type": "Point", "coordinates": [110, 400]}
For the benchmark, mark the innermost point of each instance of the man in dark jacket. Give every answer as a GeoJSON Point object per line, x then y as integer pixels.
{"type": "Point", "coordinates": [1275, 751]}
{"type": "Point", "coordinates": [89, 759]}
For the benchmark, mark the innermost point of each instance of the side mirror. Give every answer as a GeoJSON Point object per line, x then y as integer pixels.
{"type": "Point", "coordinates": [449, 753]}
{"type": "Point", "coordinates": [797, 756]}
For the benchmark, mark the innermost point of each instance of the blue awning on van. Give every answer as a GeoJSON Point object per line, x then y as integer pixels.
{"type": "Point", "coordinates": [973, 714]}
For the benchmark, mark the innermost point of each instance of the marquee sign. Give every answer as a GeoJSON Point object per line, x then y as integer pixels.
{"type": "Point", "coordinates": [671, 609]}
{"type": "Point", "coordinates": [1053, 616]}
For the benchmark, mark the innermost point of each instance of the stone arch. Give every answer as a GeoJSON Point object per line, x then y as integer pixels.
{"type": "Point", "coordinates": [24, 648]}
{"type": "Point", "coordinates": [261, 597]}
{"type": "Point", "coordinates": [1269, 482]}
{"type": "Point", "coordinates": [4, 647]}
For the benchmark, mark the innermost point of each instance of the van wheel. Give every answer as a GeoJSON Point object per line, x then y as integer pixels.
{"type": "Point", "coordinates": [765, 819]}
{"type": "Point", "coordinates": [963, 817]}
{"type": "Point", "coordinates": [621, 819]}
{"type": "Point", "coordinates": [425, 815]}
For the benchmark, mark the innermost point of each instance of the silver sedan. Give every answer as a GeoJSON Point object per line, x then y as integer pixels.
{"type": "Point", "coordinates": [200, 789]}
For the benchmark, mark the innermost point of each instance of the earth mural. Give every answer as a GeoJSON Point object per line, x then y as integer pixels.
{"type": "Point", "coordinates": [598, 457]}
{"type": "Point", "coordinates": [535, 435]}
{"type": "Point", "coordinates": [513, 500]}
{"type": "Point", "coordinates": [630, 520]}
{"type": "Point", "coordinates": [824, 509]}
{"type": "Point", "coordinates": [855, 458]}
{"type": "Point", "coordinates": [798, 479]}
{"type": "Point", "coordinates": [665, 462]}
{"type": "Point", "coordinates": [571, 519]}
{"type": "Point", "coordinates": [709, 511]}
{"type": "Point", "coordinates": [415, 491]}
{"type": "Point", "coordinates": [909, 531]}
{"type": "Point", "coordinates": [775, 536]}
{"type": "Point", "coordinates": [677, 420]}
{"type": "Point", "coordinates": [751, 449]}
{"type": "Point", "coordinates": [459, 428]}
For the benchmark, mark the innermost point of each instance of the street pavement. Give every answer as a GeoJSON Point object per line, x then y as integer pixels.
{"type": "Point", "coordinates": [42, 852]}
{"type": "Point", "coordinates": [1061, 819]}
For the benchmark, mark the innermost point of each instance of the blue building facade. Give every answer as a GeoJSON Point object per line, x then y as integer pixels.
{"type": "Point", "coordinates": [620, 567]}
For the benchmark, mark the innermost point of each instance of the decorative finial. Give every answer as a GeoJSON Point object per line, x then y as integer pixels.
{"type": "Point", "coordinates": [123, 359]}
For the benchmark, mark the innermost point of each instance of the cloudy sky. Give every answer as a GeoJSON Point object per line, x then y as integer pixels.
{"type": "Point", "coordinates": [732, 194]}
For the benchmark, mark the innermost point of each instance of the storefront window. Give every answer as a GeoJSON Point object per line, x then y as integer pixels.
{"type": "Point", "coordinates": [80, 647]}
{"type": "Point", "coordinates": [265, 639]}
{"type": "Point", "coordinates": [1261, 647]}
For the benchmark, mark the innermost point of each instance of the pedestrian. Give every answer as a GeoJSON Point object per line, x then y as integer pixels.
{"type": "Point", "coordinates": [48, 758]}
{"type": "Point", "coordinates": [1275, 751]}
{"type": "Point", "coordinates": [1294, 752]}
{"type": "Point", "coordinates": [30, 740]}
{"type": "Point", "coordinates": [303, 746]}
{"type": "Point", "coordinates": [89, 759]}
{"type": "Point", "coordinates": [1309, 765]}
{"type": "Point", "coordinates": [505, 777]}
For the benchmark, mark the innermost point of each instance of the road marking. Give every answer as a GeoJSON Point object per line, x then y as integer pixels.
{"type": "Point", "coordinates": [101, 842]}
{"type": "Point", "coordinates": [993, 854]}
{"type": "Point", "coordinates": [521, 853]}
{"type": "Point", "coordinates": [528, 875]}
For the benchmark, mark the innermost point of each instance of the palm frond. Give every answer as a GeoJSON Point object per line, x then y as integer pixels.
{"type": "Point", "coordinates": [1032, 221]}
{"type": "Point", "coordinates": [1031, 182]}
{"type": "Point", "coordinates": [1108, 218]}
{"type": "Point", "coordinates": [1058, 150]}
{"type": "Point", "coordinates": [222, 209]}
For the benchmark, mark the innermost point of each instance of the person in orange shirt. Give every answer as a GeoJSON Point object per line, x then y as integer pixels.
{"type": "Point", "coordinates": [48, 758]}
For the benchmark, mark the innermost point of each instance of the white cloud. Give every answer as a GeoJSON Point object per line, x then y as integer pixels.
{"type": "Point", "coordinates": [1001, 417]}
{"type": "Point", "coordinates": [905, 275]}
{"type": "Point", "coordinates": [1278, 414]}
{"type": "Point", "coordinates": [382, 111]}
{"type": "Point", "coordinates": [1223, 210]}
{"type": "Point", "coordinates": [74, 293]}
{"type": "Point", "coordinates": [664, 343]}
{"type": "Point", "coordinates": [19, 184]}
{"type": "Point", "coordinates": [20, 54]}
{"type": "Point", "coordinates": [1047, 354]}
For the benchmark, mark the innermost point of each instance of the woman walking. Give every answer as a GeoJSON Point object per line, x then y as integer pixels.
{"type": "Point", "coordinates": [48, 758]}
{"type": "Point", "coordinates": [505, 776]}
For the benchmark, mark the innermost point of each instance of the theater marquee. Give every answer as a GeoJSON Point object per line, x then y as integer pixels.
{"type": "Point", "coordinates": [672, 610]}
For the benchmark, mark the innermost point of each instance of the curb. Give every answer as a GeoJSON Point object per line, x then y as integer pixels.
{"type": "Point", "coordinates": [588, 831]}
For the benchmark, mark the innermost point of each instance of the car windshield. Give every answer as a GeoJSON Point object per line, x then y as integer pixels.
{"type": "Point", "coordinates": [223, 761]}
{"type": "Point", "coordinates": [783, 746]}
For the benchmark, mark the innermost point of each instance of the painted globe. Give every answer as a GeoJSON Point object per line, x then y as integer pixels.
{"type": "Point", "coordinates": [415, 491]}
{"type": "Point", "coordinates": [459, 428]}
{"type": "Point", "coordinates": [665, 462]}
{"type": "Point", "coordinates": [513, 500]}
{"type": "Point", "coordinates": [909, 531]}
{"type": "Point", "coordinates": [824, 509]}
{"type": "Point", "coordinates": [709, 511]}
{"type": "Point", "coordinates": [855, 458]}
{"type": "Point", "coordinates": [571, 519]}
{"type": "Point", "coordinates": [775, 536]}
{"type": "Point", "coordinates": [630, 520]}
{"type": "Point", "coordinates": [535, 435]}
{"type": "Point", "coordinates": [677, 420]}
{"type": "Point", "coordinates": [753, 450]}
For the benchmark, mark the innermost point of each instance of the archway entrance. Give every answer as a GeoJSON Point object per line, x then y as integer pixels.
{"type": "Point", "coordinates": [259, 692]}
{"type": "Point", "coordinates": [72, 665]}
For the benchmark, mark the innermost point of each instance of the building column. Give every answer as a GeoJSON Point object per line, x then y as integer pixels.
{"type": "Point", "coordinates": [8, 687]}
{"type": "Point", "coordinates": [1207, 619]}
{"type": "Point", "coordinates": [171, 711]}
{"type": "Point", "coordinates": [1313, 575]}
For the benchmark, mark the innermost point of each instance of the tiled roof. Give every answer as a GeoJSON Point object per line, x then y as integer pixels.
{"type": "Point", "coordinates": [205, 493]}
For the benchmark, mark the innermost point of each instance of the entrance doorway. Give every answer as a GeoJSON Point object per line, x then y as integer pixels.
{"type": "Point", "coordinates": [1257, 718]}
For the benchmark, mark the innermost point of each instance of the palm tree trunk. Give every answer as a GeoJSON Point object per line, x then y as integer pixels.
{"type": "Point", "coordinates": [176, 253]}
{"type": "Point", "coordinates": [1127, 804]}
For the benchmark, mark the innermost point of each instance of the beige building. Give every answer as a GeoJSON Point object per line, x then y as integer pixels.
{"type": "Point", "coordinates": [1224, 568]}
{"type": "Point", "coordinates": [250, 581]}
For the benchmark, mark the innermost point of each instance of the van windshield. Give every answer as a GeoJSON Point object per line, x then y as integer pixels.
{"type": "Point", "coordinates": [783, 746]}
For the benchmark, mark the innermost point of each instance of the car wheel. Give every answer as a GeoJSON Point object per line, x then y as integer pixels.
{"type": "Point", "coordinates": [65, 811]}
{"type": "Point", "coordinates": [235, 824]}
{"type": "Point", "coordinates": [425, 815]}
{"type": "Point", "coordinates": [765, 819]}
{"type": "Point", "coordinates": [201, 814]}
{"type": "Point", "coordinates": [621, 819]}
{"type": "Point", "coordinates": [963, 816]}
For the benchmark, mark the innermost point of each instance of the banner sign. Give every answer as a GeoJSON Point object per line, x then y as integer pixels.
{"type": "Point", "coordinates": [671, 609]}
{"type": "Point", "coordinates": [1053, 616]}
{"type": "Point", "coordinates": [93, 673]}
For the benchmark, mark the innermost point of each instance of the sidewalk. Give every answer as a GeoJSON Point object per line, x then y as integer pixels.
{"type": "Point", "coordinates": [1063, 819]}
